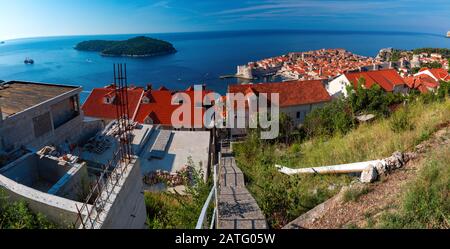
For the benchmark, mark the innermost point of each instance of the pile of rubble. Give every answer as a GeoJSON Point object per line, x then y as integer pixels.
{"type": "Point", "coordinates": [114, 128]}
{"type": "Point", "coordinates": [169, 178]}
{"type": "Point", "coordinates": [394, 162]}
{"type": "Point", "coordinates": [52, 152]}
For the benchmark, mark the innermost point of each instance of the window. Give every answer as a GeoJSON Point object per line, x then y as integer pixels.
{"type": "Point", "coordinates": [64, 111]}
{"type": "Point", "coordinates": [148, 120]}
{"type": "Point", "coordinates": [299, 114]}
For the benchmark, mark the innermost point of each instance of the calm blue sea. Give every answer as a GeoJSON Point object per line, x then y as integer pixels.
{"type": "Point", "coordinates": [202, 56]}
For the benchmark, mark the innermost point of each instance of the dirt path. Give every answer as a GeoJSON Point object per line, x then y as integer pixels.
{"type": "Point", "coordinates": [383, 195]}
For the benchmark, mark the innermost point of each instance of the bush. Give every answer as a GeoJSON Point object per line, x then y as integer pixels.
{"type": "Point", "coordinates": [167, 210]}
{"type": "Point", "coordinates": [334, 117]}
{"type": "Point", "coordinates": [17, 215]}
{"type": "Point", "coordinates": [401, 120]}
{"type": "Point", "coordinates": [374, 99]}
{"type": "Point", "coordinates": [444, 90]}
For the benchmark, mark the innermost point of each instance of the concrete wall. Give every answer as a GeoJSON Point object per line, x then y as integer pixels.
{"type": "Point", "coordinates": [72, 184]}
{"type": "Point", "coordinates": [302, 110]}
{"type": "Point", "coordinates": [23, 170]}
{"type": "Point", "coordinates": [66, 180]}
{"type": "Point", "coordinates": [291, 111]}
{"type": "Point", "coordinates": [18, 130]}
{"type": "Point", "coordinates": [50, 170]}
{"type": "Point", "coordinates": [64, 111]}
{"type": "Point", "coordinates": [337, 87]}
{"type": "Point", "coordinates": [59, 210]}
{"type": "Point", "coordinates": [128, 208]}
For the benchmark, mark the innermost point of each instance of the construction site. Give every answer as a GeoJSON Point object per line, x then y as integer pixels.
{"type": "Point", "coordinates": [73, 170]}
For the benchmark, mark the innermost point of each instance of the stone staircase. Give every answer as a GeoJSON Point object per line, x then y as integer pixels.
{"type": "Point", "coordinates": [237, 207]}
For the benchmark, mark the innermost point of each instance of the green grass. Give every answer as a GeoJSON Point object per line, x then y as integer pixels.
{"type": "Point", "coordinates": [283, 198]}
{"type": "Point", "coordinates": [17, 215]}
{"type": "Point", "coordinates": [354, 193]}
{"type": "Point", "coordinates": [377, 140]}
{"type": "Point", "coordinates": [426, 202]}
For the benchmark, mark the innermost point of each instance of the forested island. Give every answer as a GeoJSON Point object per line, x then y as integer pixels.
{"type": "Point", "coordinates": [135, 47]}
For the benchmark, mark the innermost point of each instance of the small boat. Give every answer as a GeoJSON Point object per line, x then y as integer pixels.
{"type": "Point", "coordinates": [2, 42]}
{"type": "Point", "coordinates": [28, 61]}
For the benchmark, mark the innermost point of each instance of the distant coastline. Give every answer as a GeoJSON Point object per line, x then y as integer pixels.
{"type": "Point", "coordinates": [138, 47]}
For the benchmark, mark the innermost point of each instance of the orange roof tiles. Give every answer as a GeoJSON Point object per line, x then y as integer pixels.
{"type": "Point", "coordinates": [159, 107]}
{"type": "Point", "coordinates": [292, 93]}
{"type": "Point", "coordinates": [386, 79]}
{"type": "Point", "coordinates": [421, 82]}
{"type": "Point", "coordinates": [95, 105]}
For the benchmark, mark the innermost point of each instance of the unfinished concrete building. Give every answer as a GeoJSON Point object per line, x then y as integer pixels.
{"type": "Point", "coordinates": [42, 133]}
{"type": "Point", "coordinates": [36, 114]}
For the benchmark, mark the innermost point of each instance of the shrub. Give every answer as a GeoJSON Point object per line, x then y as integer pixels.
{"type": "Point", "coordinates": [444, 90]}
{"type": "Point", "coordinates": [17, 215]}
{"type": "Point", "coordinates": [400, 121]}
{"type": "Point", "coordinates": [167, 210]}
{"type": "Point", "coordinates": [334, 117]}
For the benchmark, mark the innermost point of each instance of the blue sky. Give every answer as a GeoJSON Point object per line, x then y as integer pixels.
{"type": "Point", "coordinates": [31, 18]}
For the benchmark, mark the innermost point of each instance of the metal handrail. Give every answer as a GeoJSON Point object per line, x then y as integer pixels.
{"type": "Point", "coordinates": [212, 196]}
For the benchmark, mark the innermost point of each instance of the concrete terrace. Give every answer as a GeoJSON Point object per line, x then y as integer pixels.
{"type": "Point", "coordinates": [173, 154]}
{"type": "Point", "coordinates": [17, 96]}
{"type": "Point", "coordinates": [181, 146]}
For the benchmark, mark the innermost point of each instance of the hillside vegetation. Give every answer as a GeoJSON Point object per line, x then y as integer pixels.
{"type": "Point", "coordinates": [425, 203]}
{"type": "Point", "coordinates": [139, 47]}
{"type": "Point", "coordinates": [17, 215]}
{"type": "Point", "coordinates": [284, 198]}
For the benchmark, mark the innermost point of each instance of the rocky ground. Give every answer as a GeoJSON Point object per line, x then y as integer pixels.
{"type": "Point", "coordinates": [377, 197]}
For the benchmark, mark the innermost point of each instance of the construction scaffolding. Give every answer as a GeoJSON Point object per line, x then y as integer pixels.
{"type": "Point", "coordinates": [90, 213]}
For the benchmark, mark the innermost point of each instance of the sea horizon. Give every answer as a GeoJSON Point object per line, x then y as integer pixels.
{"type": "Point", "coordinates": [238, 30]}
{"type": "Point", "coordinates": [202, 57]}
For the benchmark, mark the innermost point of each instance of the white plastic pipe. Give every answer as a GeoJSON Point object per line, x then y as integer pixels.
{"type": "Point", "coordinates": [334, 169]}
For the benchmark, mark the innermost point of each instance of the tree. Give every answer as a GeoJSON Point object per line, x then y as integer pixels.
{"type": "Point", "coordinates": [286, 127]}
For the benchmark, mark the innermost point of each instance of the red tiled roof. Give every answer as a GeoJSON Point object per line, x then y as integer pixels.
{"type": "Point", "coordinates": [96, 107]}
{"type": "Point", "coordinates": [421, 82]}
{"type": "Point", "coordinates": [387, 79]}
{"type": "Point", "coordinates": [439, 73]}
{"type": "Point", "coordinates": [161, 109]}
{"type": "Point", "coordinates": [292, 93]}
